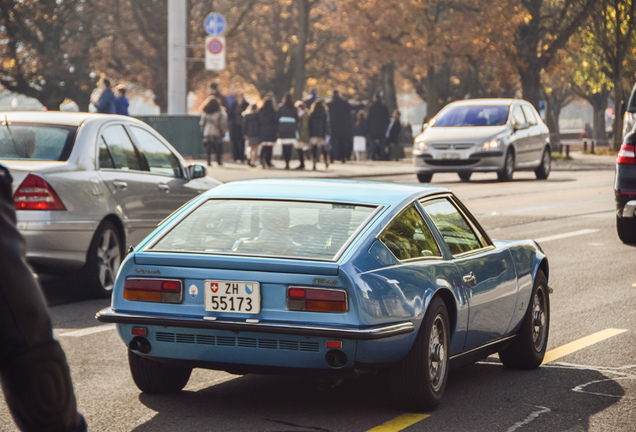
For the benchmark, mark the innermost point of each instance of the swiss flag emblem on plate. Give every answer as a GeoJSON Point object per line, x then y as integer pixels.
{"type": "Point", "coordinates": [214, 287]}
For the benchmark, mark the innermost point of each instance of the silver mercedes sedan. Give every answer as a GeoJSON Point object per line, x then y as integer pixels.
{"type": "Point", "coordinates": [87, 186]}
{"type": "Point", "coordinates": [484, 135]}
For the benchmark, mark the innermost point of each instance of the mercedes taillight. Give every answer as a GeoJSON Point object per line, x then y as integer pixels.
{"type": "Point", "coordinates": [34, 193]}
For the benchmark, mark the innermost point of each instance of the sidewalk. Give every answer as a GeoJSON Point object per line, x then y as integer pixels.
{"type": "Point", "coordinates": [234, 171]}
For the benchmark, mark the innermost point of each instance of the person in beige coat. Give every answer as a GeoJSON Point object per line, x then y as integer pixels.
{"type": "Point", "coordinates": [213, 126]}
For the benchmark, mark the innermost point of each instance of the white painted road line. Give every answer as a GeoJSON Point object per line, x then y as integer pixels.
{"type": "Point", "coordinates": [89, 330]}
{"type": "Point", "coordinates": [565, 235]}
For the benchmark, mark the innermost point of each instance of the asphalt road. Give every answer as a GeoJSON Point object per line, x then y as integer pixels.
{"type": "Point", "coordinates": [587, 384]}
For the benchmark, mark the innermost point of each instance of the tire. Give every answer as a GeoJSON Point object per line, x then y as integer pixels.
{"type": "Point", "coordinates": [509, 167]}
{"type": "Point", "coordinates": [418, 381]}
{"type": "Point", "coordinates": [464, 175]}
{"type": "Point", "coordinates": [104, 258]}
{"type": "Point", "coordinates": [544, 169]}
{"type": "Point", "coordinates": [153, 377]}
{"type": "Point", "coordinates": [528, 348]}
{"type": "Point", "coordinates": [424, 177]}
{"type": "Point", "coordinates": [626, 228]}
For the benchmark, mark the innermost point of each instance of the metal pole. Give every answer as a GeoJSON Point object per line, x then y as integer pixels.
{"type": "Point", "coordinates": [177, 56]}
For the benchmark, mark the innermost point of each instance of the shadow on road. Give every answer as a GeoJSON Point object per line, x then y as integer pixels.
{"type": "Point", "coordinates": [480, 397]}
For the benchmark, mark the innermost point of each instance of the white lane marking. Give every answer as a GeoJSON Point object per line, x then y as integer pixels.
{"type": "Point", "coordinates": [89, 330]}
{"type": "Point", "coordinates": [566, 235]}
{"type": "Point", "coordinates": [533, 416]}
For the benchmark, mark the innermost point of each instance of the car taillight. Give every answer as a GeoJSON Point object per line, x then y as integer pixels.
{"type": "Point", "coordinates": [153, 290]}
{"type": "Point", "coordinates": [316, 299]}
{"type": "Point", "coordinates": [34, 193]}
{"type": "Point", "coordinates": [627, 155]}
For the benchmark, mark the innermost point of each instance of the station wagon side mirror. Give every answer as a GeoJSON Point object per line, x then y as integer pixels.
{"type": "Point", "coordinates": [520, 126]}
{"type": "Point", "coordinates": [196, 171]}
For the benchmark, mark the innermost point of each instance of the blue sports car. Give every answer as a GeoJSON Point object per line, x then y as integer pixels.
{"type": "Point", "coordinates": [328, 275]}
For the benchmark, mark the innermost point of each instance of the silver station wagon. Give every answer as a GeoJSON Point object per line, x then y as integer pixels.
{"type": "Point", "coordinates": [483, 135]}
{"type": "Point", "coordinates": [86, 186]}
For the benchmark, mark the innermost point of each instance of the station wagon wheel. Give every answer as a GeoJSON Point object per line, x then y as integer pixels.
{"type": "Point", "coordinates": [509, 167]}
{"type": "Point", "coordinates": [104, 257]}
{"type": "Point", "coordinates": [543, 171]}
{"type": "Point", "coordinates": [418, 381]}
{"type": "Point", "coordinates": [424, 177]}
{"type": "Point", "coordinates": [153, 377]}
{"type": "Point", "coordinates": [528, 348]}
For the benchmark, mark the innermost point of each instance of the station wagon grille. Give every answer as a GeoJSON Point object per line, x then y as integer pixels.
{"type": "Point", "coordinates": [451, 146]}
{"type": "Point", "coordinates": [241, 342]}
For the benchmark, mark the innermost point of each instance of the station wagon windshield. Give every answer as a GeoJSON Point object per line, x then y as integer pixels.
{"type": "Point", "coordinates": [484, 115]}
{"type": "Point", "coordinates": [36, 141]}
{"type": "Point", "coordinates": [267, 228]}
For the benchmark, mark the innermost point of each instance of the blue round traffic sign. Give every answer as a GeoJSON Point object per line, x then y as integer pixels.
{"type": "Point", "coordinates": [214, 24]}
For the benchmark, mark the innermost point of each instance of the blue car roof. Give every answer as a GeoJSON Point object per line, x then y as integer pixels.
{"type": "Point", "coordinates": [338, 190]}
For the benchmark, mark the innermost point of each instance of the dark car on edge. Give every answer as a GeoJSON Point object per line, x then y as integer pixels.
{"type": "Point", "coordinates": [625, 189]}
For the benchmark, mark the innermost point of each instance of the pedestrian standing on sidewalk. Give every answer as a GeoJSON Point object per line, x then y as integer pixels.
{"type": "Point", "coordinates": [268, 123]}
{"type": "Point", "coordinates": [287, 127]}
{"type": "Point", "coordinates": [303, 133]}
{"type": "Point", "coordinates": [252, 133]}
{"type": "Point", "coordinates": [360, 136]}
{"type": "Point", "coordinates": [213, 127]}
{"type": "Point", "coordinates": [378, 121]}
{"type": "Point", "coordinates": [235, 124]}
{"type": "Point", "coordinates": [36, 380]}
{"type": "Point", "coordinates": [319, 132]}
{"type": "Point", "coordinates": [393, 135]}
{"type": "Point", "coordinates": [121, 101]}
{"type": "Point", "coordinates": [105, 102]}
{"type": "Point", "coordinates": [341, 127]}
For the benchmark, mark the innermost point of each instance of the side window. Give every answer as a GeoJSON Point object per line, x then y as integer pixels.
{"type": "Point", "coordinates": [453, 226]}
{"type": "Point", "coordinates": [409, 237]}
{"type": "Point", "coordinates": [517, 116]}
{"type": "Point", "coordinates": [105, 160]}
{"type": "Point", "coordinates": [160, 159]}
{"type": "Point", "coordinates": [529, 113]}
{"type": "Point", "coordinates": [123, 153]}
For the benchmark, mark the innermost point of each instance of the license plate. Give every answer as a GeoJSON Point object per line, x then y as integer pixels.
{"type": "Point", "coordinates": [448, 156]}
{"type": "Point", "coordinates": [232, 296]}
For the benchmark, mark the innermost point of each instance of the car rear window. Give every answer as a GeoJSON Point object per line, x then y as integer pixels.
{"type": "Point", "coordinates": [36, 141]}
{"type": "Point", "coordinates": [267, 228]}
{"type": "Point", "coordinates": [461, 116]}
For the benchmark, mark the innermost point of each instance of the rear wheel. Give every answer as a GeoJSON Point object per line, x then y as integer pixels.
{"type": "Point", "coordinates": [464, 175]}
{"type": "Point", "coordinates": [626, 228]}
{"type": "Point", "coordinates": [543, 171]}
{"type": "Point", "coordinates": [153, 377]}
{"type": "Point", "coordinates": [509, 167]}
{"type": "Point", "coordinates": [418, 381]}
{"type": "Point", "coordinates": [104, 257]}
{"type": "Point", "coordinates": [424, 177]}
{"type": "Point", "coordinates": [528, 348]}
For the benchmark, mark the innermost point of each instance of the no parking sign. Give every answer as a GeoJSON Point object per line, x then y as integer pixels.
{"type": "Point", "coordinates": [215, 52]}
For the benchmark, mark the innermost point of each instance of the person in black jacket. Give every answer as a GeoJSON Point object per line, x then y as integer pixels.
{"type": "Point", "coordinates": [393, 135]}
{"type": "Point", "coordinates": [268, 123]}
{"type": "Point", "coordinates": [378, 121]}
{"type": "Point", "coordinates": [319, 132]}
{"type": "Point", "coordinates": [235, 126]}
{"type": "Point", "coordinates": [341, 128]}
{"type": "Point", "coordinates": [35, 376]}
{"type": "Point", "coordinates": [288, 127]}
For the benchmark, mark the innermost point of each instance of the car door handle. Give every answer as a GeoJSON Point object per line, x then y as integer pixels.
{"type": "Point", "coordinates": [120, 184]}
{"type": "Point", "coordinates": [470, 278]}
{"type": "Point", "coordinates": [164, 187]}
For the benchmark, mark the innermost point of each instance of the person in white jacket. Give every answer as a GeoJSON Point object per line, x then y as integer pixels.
{"type": "Point", "coordinates": [213, 126]}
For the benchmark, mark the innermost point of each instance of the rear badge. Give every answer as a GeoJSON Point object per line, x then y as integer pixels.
{"type": "Point", "coordinates": [323, 281]}
{"type": "Point", "coordinates": [194, 291]}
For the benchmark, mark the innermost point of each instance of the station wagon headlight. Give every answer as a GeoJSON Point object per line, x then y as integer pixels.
{"type": "Point", "coordinates": [492, 144]}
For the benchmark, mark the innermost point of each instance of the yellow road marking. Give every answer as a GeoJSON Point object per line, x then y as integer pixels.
{"type": "Point", "coordinates": [579, 344]}
{"type": "Point", "coordinates": [399, 423]}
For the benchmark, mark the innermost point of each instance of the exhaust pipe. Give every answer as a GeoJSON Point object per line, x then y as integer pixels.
{"type": "Point", "coordinates": [336, 358]}
{"type": "Point", "coordinates": [140, 344]}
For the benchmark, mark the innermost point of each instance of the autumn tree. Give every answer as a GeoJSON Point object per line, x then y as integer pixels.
{"type": "Point", "coordinates": [44, 48]}
{"type": "Point", "coordinates": [541, 29]}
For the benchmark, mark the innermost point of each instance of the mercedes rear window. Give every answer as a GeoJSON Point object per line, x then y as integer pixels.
{"type": "Point", "coordinates": [294, 229]}
{"type": "Point", "coordinates": [36, 141]}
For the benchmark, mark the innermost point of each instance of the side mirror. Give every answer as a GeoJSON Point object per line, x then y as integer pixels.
{"type": "Point", "coordinates": [519, 126]}
{"type": "Point", "coordinates": [196, 171]}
